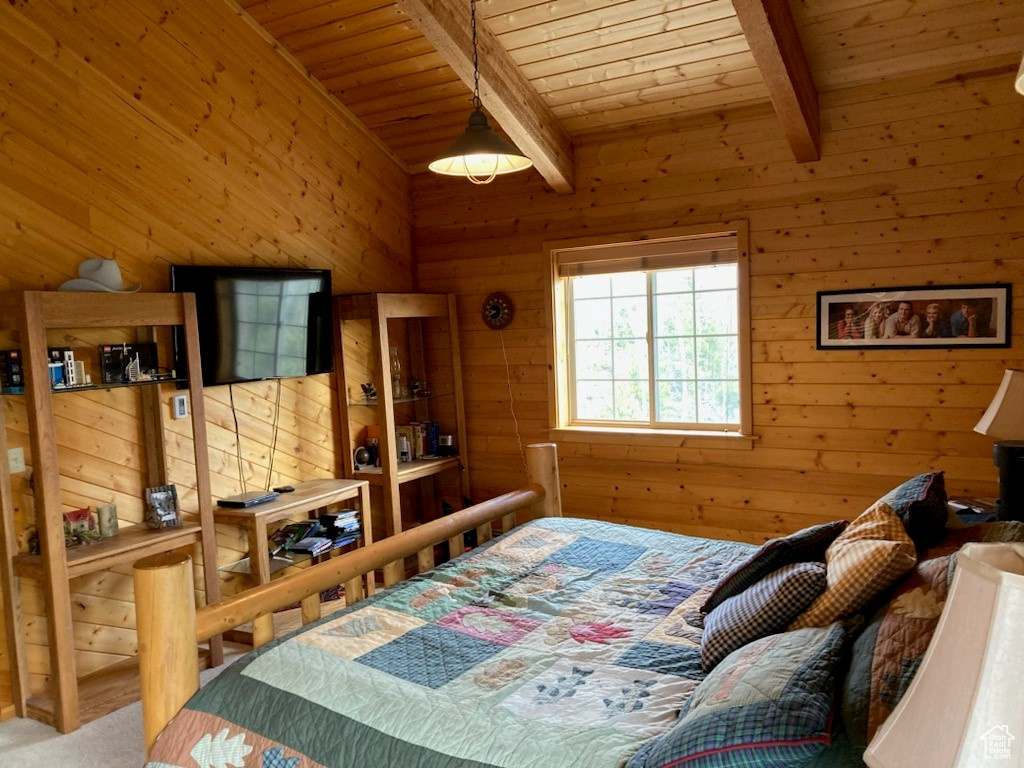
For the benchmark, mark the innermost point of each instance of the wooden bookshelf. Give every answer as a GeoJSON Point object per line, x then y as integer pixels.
{"type": "Point", "coordinates": [35, 314]}
{"type": "Point", "coordinates": [380, 315]}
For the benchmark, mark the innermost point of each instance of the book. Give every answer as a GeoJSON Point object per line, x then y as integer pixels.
{"type": "Point", "coordinates": [313, 545]}
{"type": "Point", "coordinates": [342, 541]}
{"type": "Point", "coordinates": [287, 536]}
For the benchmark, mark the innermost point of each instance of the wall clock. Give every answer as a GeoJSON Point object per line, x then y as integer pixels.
{"type": "Point", "coordinates": [497, 311]}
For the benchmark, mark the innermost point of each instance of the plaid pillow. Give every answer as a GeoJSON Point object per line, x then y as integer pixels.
{"type": "Point", "coordinates": [921, 505]}
{"type": "Point", "coordinates": [863, 562]}
{"type": "Point", "coordinates": [768, 704]}
{"type": "Point", "coordinates": [765, 608]}
{"type": "Point", "coordinates": [800, 547]}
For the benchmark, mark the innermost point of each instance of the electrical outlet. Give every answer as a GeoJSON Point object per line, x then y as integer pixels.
{"type": "Point", "coordinates": [16, 460]}
{"type": "Point", "coordinates": [180, 406]}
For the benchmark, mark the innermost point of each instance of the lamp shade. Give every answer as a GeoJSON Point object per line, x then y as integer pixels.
{"type": "Point", "coordinates": [965, 707]}
{"type": "Point", "coordinates": [1020, 78]}
{"type": "Point", "coordinates": [480, 154]}
{"type": "Point", "coordinates": [1005, 415]}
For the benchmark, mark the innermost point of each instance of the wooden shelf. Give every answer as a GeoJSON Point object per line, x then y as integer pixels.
{"type": "Point", "coordinates": [279, 562]}
{"type": "Point", "coordinates": [309, 499]}
{"type": "Point", "coordinates": [101, 692]}
{"type": "Point", "coordinates": [131, 544]}
{"type": "Point", "coordinates": [399, 400]}
{"type": "Point", "coordinates": [36, 313]}
{"type": "Point", "coordinates": [399, 318]}
{"type": "Point", "coordinates": [92, 387]}
{"type": "Point", "coordinates": [409, 470]}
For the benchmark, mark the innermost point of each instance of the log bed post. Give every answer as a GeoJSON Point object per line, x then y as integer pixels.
{"type": "Point", "coordinates": [542, 469]}
{"type": "Point", "coordinates": [169, 625]}
{"type": "Point", "coordinates": [166, 621]}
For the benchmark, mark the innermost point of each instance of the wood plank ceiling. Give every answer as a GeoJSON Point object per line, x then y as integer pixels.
{"type": "Point", "coordinates": [551, 71]}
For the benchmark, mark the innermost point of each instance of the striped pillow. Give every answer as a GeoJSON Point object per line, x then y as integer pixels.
{"type": "Point", "coordinates": [765, 608]}
{"type": "Point", "coordinates": [862, 563]}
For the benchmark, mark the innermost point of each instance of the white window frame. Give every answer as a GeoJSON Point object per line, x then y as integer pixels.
{"type": "Point", "coordinates": [646, 251]}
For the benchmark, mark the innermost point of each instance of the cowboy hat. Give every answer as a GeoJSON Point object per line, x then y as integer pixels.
{"type": "Point", "coordinates": [99, 275]}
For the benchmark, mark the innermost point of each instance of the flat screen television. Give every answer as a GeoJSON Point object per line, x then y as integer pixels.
{"type": "Point", "coordinates": [257, 323]}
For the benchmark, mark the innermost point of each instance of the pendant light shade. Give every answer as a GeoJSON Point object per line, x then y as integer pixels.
{"type": "Point", "coordinates": [479, 153]}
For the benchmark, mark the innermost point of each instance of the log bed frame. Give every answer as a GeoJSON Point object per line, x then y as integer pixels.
{"type": "Point", "coordinates": [170, 626]}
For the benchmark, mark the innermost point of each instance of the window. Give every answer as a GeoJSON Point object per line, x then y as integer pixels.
{"type": "Point", "coordinates": [653, 334]}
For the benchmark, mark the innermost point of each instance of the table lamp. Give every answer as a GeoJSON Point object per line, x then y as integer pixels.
{"type": "Point", "coordinates": [964, 707]}
{"type": "Point", "coordinates": [1004, 419]}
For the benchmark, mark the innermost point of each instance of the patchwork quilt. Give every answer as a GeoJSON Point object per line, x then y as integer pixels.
{"type": "Point", "coordinates": [564, 643]}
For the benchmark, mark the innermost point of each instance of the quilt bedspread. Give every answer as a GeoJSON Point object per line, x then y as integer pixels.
{"type": "Point", "coordinates": [564, 643]}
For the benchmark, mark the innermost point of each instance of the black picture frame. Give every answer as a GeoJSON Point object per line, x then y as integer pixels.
{"type": "Point", "coordinates": [871, 318]}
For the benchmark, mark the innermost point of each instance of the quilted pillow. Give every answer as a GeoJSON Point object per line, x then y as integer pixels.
{"type": "Point", "coordinates": [802, 546]}
{"type": "Point", "coordinates": [921, 505]}
{"type": "Point", "coordinates": [862, 563]}
{"type": "Point", "coordinates": [765, 608]}
{"type": "Point", "coordinates": [767, 704]}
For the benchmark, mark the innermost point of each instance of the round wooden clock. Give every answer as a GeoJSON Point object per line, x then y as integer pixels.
{"type": "Point", "coordinates": [497, 311]}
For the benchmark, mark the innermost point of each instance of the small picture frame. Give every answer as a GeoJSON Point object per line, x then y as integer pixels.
{"type": "Point", "coordinates": [162, 507]}
{"type": "Point", "coordinates": [914, 317]}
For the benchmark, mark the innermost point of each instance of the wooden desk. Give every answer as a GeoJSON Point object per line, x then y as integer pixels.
{"type": "Point", "coordinates": [308, 498]}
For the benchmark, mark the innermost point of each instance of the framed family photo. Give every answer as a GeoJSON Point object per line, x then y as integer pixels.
{"type": "Point", "coordinates": [913, 317]}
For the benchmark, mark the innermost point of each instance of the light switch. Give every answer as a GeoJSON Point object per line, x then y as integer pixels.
{"type": "Point", "coordinates": [16, 460]}
{"type": "Point", "coordinates": [180, 406]}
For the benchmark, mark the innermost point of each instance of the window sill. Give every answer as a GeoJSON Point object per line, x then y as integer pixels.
{"type": "Point", "coordinates": [668, 438]}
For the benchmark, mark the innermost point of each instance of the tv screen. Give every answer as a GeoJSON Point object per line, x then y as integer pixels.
{"type": "Point", "coordinates": [257, 323]}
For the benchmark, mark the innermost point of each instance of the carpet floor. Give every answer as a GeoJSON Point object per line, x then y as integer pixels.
{"type": "Point", "coordinates": [113, 741]}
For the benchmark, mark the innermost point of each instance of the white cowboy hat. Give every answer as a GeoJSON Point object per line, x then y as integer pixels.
{"type": "Point", "coordinates": [99, 275]}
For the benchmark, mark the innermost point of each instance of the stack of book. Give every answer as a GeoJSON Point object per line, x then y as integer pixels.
{"type": "Point", "coordinates": [314, 537]}
{"type": "Point", "coordinates": [342, 525]}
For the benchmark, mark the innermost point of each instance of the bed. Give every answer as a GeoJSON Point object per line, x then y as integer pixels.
{"type": "Point", "coordinates": [569, 642]}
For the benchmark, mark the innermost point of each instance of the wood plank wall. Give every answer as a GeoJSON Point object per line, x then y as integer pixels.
{"type": "Point", "coordinates": [920, 182]}
{"type": "Point", "coordinates": [158, 132]}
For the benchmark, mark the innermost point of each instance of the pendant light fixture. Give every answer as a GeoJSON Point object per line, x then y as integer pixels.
{"type": "Point", "coordinates": [479, 153]}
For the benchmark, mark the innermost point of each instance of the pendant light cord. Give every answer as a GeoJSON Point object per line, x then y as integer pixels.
{"type": "Point", "coordinates": [477, 104]}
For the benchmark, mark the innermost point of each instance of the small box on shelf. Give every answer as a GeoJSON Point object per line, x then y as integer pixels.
{"type": "Point", "coordinates": [11, 377]}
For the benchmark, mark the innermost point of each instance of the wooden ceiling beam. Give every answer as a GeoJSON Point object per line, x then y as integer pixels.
{"type": "Point", "coordinates": [773, 39]}
{"type": "Point", "coordinates": [504, 90]}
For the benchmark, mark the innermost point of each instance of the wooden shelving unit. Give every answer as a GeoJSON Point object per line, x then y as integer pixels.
{"type": "Point", "coordinates": [309, 499]}
{"type": "Point", "coordinates": [72, 700]}
{"type": "Point", "coordinates": [379, 309]}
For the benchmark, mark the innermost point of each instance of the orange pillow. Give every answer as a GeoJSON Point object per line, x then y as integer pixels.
{"type": "Point", "coordinates": [862, 563]}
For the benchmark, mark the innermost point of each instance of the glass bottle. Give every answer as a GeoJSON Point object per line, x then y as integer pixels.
{"type": "Point", "coordinates": [396, 373]}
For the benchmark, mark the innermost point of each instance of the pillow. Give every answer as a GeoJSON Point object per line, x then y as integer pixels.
{"type": "Point", "coordinates": [767, 704]}
{"type": "Point", "coordinates": [765, 608]}
{"type": "Point", "coordinates": [921, 505]}
{"type": "Point", "coordinates": [862, 563]}
{"type": "Point", "coordinates": [802, 546]}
